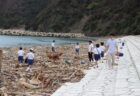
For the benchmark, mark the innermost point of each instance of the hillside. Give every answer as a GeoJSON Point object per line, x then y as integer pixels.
{"type": "Point", "coordinates": [92, 17]}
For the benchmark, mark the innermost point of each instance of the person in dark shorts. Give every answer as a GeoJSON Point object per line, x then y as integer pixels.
{"type": "Point", "coordinates": [102, 48]}
{"type": "Point", "coordinates": [53, 46]}
{"type": "Point", "coordinates": [77, 49]}
{"type": "Point", "coordinates": [20, 56]}
{"type": "Point", "coordinates": [121, 53]}
{"type": "Point", "coordinates": [123, 42]}
{"type": "Point", "coordinates": [97, 55]}
{"type": "Point", "coordinates": [30, 60]}
{"type": "Point", "coordinates": [90, 51]}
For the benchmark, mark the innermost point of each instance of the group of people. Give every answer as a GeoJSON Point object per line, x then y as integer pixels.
{"type": "Point", "coordinates": [112, 48]}
{"type": "Point", "coordinates": [95, 52]}
{"type": "Point", "coordinates": [29, 58]}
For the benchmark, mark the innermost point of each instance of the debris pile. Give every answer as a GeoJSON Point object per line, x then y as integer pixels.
{"type": "Point", "coordinates": [50, 70]}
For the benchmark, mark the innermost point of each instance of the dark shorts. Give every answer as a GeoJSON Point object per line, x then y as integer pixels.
{"type": "Point", "coordinates": [97, 57]}
{"type": "Point", "coordinates": [122, 44]}
{"type": "Point", "coordinates": [77, 50]}
{"type": "Point", "coordinates": [102, 54]}
{"type": "Point", "coordinates": [90, 56]}
{"type": "Point", "coordinates": [20, 59]}
{"type": "Point", "coordinates": [30, 62]}
{"type": "Point", "coordinates": [26, 60]}
{"type": "Point", "coordinates": [53, 49]}
{"type": "Point", "coordinates": [121, 54]}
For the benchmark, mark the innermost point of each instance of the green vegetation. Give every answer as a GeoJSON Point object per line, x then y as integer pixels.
{"type": "Point", "coordinates": [92, 5]}
{"type": "Point", "coordinates": [102, 16]}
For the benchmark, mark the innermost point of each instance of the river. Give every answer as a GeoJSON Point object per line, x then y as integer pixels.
{"type": "Point", "coordinates": [17, 41]}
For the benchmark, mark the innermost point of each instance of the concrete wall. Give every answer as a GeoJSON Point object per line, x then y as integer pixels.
{"type": "Point", "coordinates": [44, 34]}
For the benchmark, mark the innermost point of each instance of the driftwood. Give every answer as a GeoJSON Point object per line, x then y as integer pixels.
{"type": "Point", "coordinates": [28, 85]}
{"type": "Point", "coordinates": [47, 76]}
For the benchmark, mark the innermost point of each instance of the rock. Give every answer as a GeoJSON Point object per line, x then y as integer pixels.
{"type": "Point", "coordinates": [44, 34]}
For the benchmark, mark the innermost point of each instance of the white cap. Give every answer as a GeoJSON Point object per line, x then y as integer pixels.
{"type": "Point", "coordinates": [31, 49]}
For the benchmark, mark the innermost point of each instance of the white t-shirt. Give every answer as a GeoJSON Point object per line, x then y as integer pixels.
{"type": "Point", "coordinates": [20, 53]}
{"type": "Point", "coordinates": [120, 41]}
{"type": "Point", "coordinates": [90, 47]}
{"type": "Point", "coordinates": [77, 47]}
{"type": "Point", "coordinates": [53, 44]}
{"type": "Point", "coordinates": [96, 51]}
{"type": "Point", "coordinates": [112, 44]}
{"type": "Point", "coordinates": [121, 50]}
{"type": "Point", "coordinates": [30, 55]}
{"type": "Point", "coordinates": [102, 48]}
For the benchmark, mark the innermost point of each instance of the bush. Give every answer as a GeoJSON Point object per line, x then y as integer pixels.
{"type": "Point", "coordinates": [92, 5]}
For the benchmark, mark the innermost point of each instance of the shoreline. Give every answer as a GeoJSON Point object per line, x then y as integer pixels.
{"type": "Point", "coordinates": [13, 32]}
{"type": "Point", "coordinates": [78, 36]}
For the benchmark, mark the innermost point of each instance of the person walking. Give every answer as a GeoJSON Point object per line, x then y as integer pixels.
{"type": "Point", "coordinates": [20, 56]}
{"type": "Point", "coordinates": [53, 46]}
{"type": "Point", "coordinates": [30, 60]}
{"type": "Point", "coordinates": [97, 55]}
{"type": "Point", "coordinates": [112, 50]}
{"type": "Point", "coordinates": [77, 49]}
{"type": "Point", "coordinates": [90, 51]}
{"type": "Point", "coordinates": [102, 48]}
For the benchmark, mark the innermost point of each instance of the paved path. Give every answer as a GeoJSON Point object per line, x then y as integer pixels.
{"type": "Point", "coordinates": [123, 80]}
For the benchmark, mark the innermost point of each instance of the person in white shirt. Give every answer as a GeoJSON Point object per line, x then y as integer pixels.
{"type": "Point", "coordinates": [112, 50]}
{"type": "Point", "coordinates": [97, 54]}
{"type": "Point", "coordinates": [77, 49]}
{"type": "Point", "coordinates": [102, 48]}
{"type": "Point", "coordinates": [123, 42]}
{"type": "Point", "coordinates": [30, 60]}
{"type": "Point", "coordinates": [90, 49]}
{"type": "Point", "coordinates": [119, 42]}
{"type": "Point", "coordinates": [20, 55]}
{"type": "Point", "coordinates": [53, 46]}
{"type": "Point", "coordinates": [121, 53]}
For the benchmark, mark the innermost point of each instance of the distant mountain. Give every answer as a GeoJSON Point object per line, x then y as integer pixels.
{"type": "Point", "coordinates": [92, 17]}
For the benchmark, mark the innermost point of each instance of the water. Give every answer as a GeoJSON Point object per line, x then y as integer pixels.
{"type": "Point", "coordinates": [16, 41]}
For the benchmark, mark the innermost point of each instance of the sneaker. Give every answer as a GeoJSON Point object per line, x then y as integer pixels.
{"type": "Point", "coordinates": [28, 69]}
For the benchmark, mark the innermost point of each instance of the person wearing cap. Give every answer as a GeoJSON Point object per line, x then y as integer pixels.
{"type": "Point", "coordinates": [30, 60]}
{"type": "Point", "coordinates": [53, 46]}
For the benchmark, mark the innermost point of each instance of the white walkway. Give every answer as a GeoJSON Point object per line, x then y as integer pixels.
{"type": "Point", "coordinates": [123, 80]}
